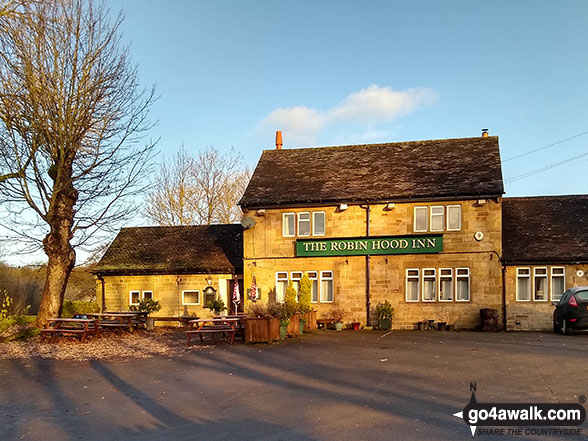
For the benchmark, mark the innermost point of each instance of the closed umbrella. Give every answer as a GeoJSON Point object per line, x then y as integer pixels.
{"type": "Point", "coordinates": [253, 292]}
{"type": "Point", "coordinates": [236, 294]}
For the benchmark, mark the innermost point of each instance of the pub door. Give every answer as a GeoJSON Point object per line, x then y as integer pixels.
{"type": "Point", "coordinates": [231, 306]}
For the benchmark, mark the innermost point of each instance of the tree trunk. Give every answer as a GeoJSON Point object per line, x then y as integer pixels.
{"type": "Point", "coordinates": [62, 256]}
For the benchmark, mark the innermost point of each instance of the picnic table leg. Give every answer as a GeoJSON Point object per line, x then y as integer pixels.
{"type": "Point", "coordinates": [84, 333]}
{"type": "Point", "coordinates": [189, 338]}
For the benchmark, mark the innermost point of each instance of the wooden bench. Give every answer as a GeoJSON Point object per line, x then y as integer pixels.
{"type": "Point", "coordinates": [182, 321]}
{"type": "Point", "coordinates": [71, 327]}
{"type": "Point", "coordinates": [324, 322]}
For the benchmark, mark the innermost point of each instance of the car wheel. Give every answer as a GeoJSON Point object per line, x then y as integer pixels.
{"type": "Point", "coordinates": [556, 327]}
{"type": "Point", "coordinates": [565, 328]}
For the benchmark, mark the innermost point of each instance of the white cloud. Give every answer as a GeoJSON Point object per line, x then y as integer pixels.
{"type": "Point", "coordinates": [367, 107]}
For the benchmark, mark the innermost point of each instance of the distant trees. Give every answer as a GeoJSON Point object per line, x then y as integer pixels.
{"type": "Point", "coordinates": [199, 190]}
{"type": "Point", "coordinates": [72, 120]}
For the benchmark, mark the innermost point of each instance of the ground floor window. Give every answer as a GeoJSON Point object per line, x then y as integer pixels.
{"type": "Point", "coordinates": [558, 282]}
{"type": "Point", "coordinates": [136, 296]}
{"type": "Point", "coordinates": [191, 297]}
{"type": "Point", "coordinates": [442, 284]}
{"type": "Point", "coordinates": [322, 287]}
{"type": "Point", "coordinates": [535, 283]}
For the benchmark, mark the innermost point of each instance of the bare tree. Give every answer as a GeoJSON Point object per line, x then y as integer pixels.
{"type": "Point", "coordinates": [197, 191]}
{"type": "Point", "coordinates": [72, 121]}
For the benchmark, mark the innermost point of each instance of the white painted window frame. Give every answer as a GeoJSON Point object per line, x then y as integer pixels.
{"type": "Point", "coordinates": [184, 303]}
{"type": "Point", "coordinates": [444, 277]}
{"type": "Point", "coordinates": [434, 284]}
{"type": "Point", "coordinates": [285, 224]}
{"type": "Point", "coordinates": [281, 279]}
{"type": "Point", "coordinates": [436, 215]}
{"type": "Point", "coordinates": [417, 277]}
{"type": "Point", "coordinates": [331, 278]}
{"type": "Point", "coordinates": [530, 284]}
{"type": "Point", "coordinates": [551, 277]}
{"type": "Point", "coordinates": [298, 220]}
{"type": "Point", "coordinates": [314, 214]}
{"type": "Point", "coordinates": [544, 276]}
{"type": "Point", "coordinates": [463, 276]}
{"type": "Point", "coordinates": [426, 210]}
{"type": "Point", "coordinates": [143, 294]}
{"type": "Point", "coordinates": [448, 217]}
{"type": "Point", "coordinates": [131, 296]}
{"type": "Point", "coordinates": [318, 287]}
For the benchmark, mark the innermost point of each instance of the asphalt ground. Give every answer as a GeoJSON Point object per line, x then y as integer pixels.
{"type": "Point", "coordinates": [326, 386]}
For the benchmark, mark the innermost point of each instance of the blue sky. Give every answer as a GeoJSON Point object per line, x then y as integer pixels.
{"type": "Point", "coordinates": [230, 73]}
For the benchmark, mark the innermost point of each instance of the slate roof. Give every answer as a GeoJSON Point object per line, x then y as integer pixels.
{"type": "Point", "coordinates": [175, 250]}
{"type": "Point", "coordinates": [377, 172]}
{"type": "Point", "coordinates": [547, 229]}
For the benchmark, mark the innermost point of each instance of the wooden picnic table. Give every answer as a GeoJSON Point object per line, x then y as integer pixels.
{"type": "Point", "coordinates": [74, 327]}
{"type": "Point", "coordinates": [117, 319]}
{"type": "Point", "coordinates": [224, 325]}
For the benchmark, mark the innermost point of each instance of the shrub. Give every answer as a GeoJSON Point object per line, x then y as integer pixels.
{"type": "Point", "coordinates": [147, 305]}
{"type": "Point", "coordinates": [290, 298]}
{"type": "Point", "coordinates": [304, 295]}
{"type": "Point", "coordinates": [337, 314]}
{"type": "Point", "coordinates": [74, 307]}
{"type": "Point", "coordinates": [385, 311]}
{"type": "Point", "coordinates": [257, 310]}
{"type": "Point", "coordinates": [217, 306]}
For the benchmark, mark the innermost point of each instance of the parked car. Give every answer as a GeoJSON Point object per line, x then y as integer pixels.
{"type": "Point", "coordinates": [571, 312]}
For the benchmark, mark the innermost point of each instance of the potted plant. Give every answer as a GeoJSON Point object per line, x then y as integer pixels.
{"type": "Point", "coordinates": [337, 315]}
{"type": "Point", "coordinates": [147, 306]}
{"type": "Point", "coordinates": [262, 323]}
{"type": "Point", "coordinates": [304, 294]}
{"type": "Point", "coordinates": [216, 306]}
{"type": "Point", "coordinates": [385, 313]}
{"type": "Point", "coordinates": [285, 313]}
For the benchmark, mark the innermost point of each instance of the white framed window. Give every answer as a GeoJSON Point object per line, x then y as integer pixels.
{"type": "Point", "coordinates": [191, 297]}
{"type": "Point", "coordinates": [540, 284]}
{"type": "Point", "coordinates": [412, 284]}
{"type": "Point", "coordinates": [289, 224]}
{"type": "Point", "coordinates": [295, 276]}
{"type": "Point", "coordinates": [304, 224]}
{"type": "Point", "coordinates": [318, 223]}
{"type": "Point", "coordinates": [446, 284]}
{"type": "Point", "coordinates": [147, 295]}
{"type": "Point", "coordinates": [281, 285]}
{"type": "Point", "coordinates": [437, 218]}
{"type": "Point", "coordinates": [326, 294]}
{"type": "Point", "coordinates": [453, 217]}
{"type": "Point", "coordinates": [429, 285]}
{"type": "Point", "coordinates": [134, 297]}
{"type": "Point", "coordinates": [314, 293]}
{"type": "Point", "coordinates": [558, 282]}
{"type": "Point", "coordinates": [420, 219]}
{"type": "Point", "coordinates": [462, 284]}
{"type": "Point", "coordinates": [523, 284]}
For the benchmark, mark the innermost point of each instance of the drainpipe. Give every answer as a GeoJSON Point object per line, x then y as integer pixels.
{"type": "Point", "coordinates": [367, 264]}
{"type": "Point", "coordinates": [99, 277]}
{"type": "Point", "coordinates": [504, 296]}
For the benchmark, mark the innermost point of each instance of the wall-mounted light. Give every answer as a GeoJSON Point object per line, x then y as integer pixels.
{"type": "Point", "coordinates": [209, 279]}
{"type": "Point", "coordinates": [390, 206]}
{"type": "Point", "coordinates": [260, 212]}
{"type": "Point", "coordinates": [343, 207]}
{"type": "Point", "coordinates": [481, 202]}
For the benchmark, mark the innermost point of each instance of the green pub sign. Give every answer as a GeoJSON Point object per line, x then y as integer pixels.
{"type": "Point", "coordinates": [363, 246]}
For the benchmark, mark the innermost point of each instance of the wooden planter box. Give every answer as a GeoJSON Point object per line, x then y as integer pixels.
{"type": "Point", "coordinates": [262, 330]}
{"type": "Point", "coordinates": [294, 326]}
{"type": "Point", "coordinates": [310, 324]}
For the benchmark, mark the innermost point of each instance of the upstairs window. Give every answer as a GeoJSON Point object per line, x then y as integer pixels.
{"type": "Point", "coordinates": [304, 224]}
{"type": "Point", "coordinates": [318, 223]}
{"type": "Point", "coordinates": [437, 218]}
{"type": "Point", "coordinates": [289, 224]}
{"type": "Point", "coordinates": [453, 217]}
{"type": "Point", "coordinates": [420, 219]}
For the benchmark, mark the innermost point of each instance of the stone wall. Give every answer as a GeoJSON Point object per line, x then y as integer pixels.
{"type": "Point", "coordinates": [536, 315]}
{"type": "Point", "coordinates": [167, 289]}
{"type": "Point", "coordinates": [266, 252]}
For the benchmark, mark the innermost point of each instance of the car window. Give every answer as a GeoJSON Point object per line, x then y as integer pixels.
{"type": "Point", "coordinates": [565, 297]}
{"type": "Point", "coordinates": [582, 296]}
